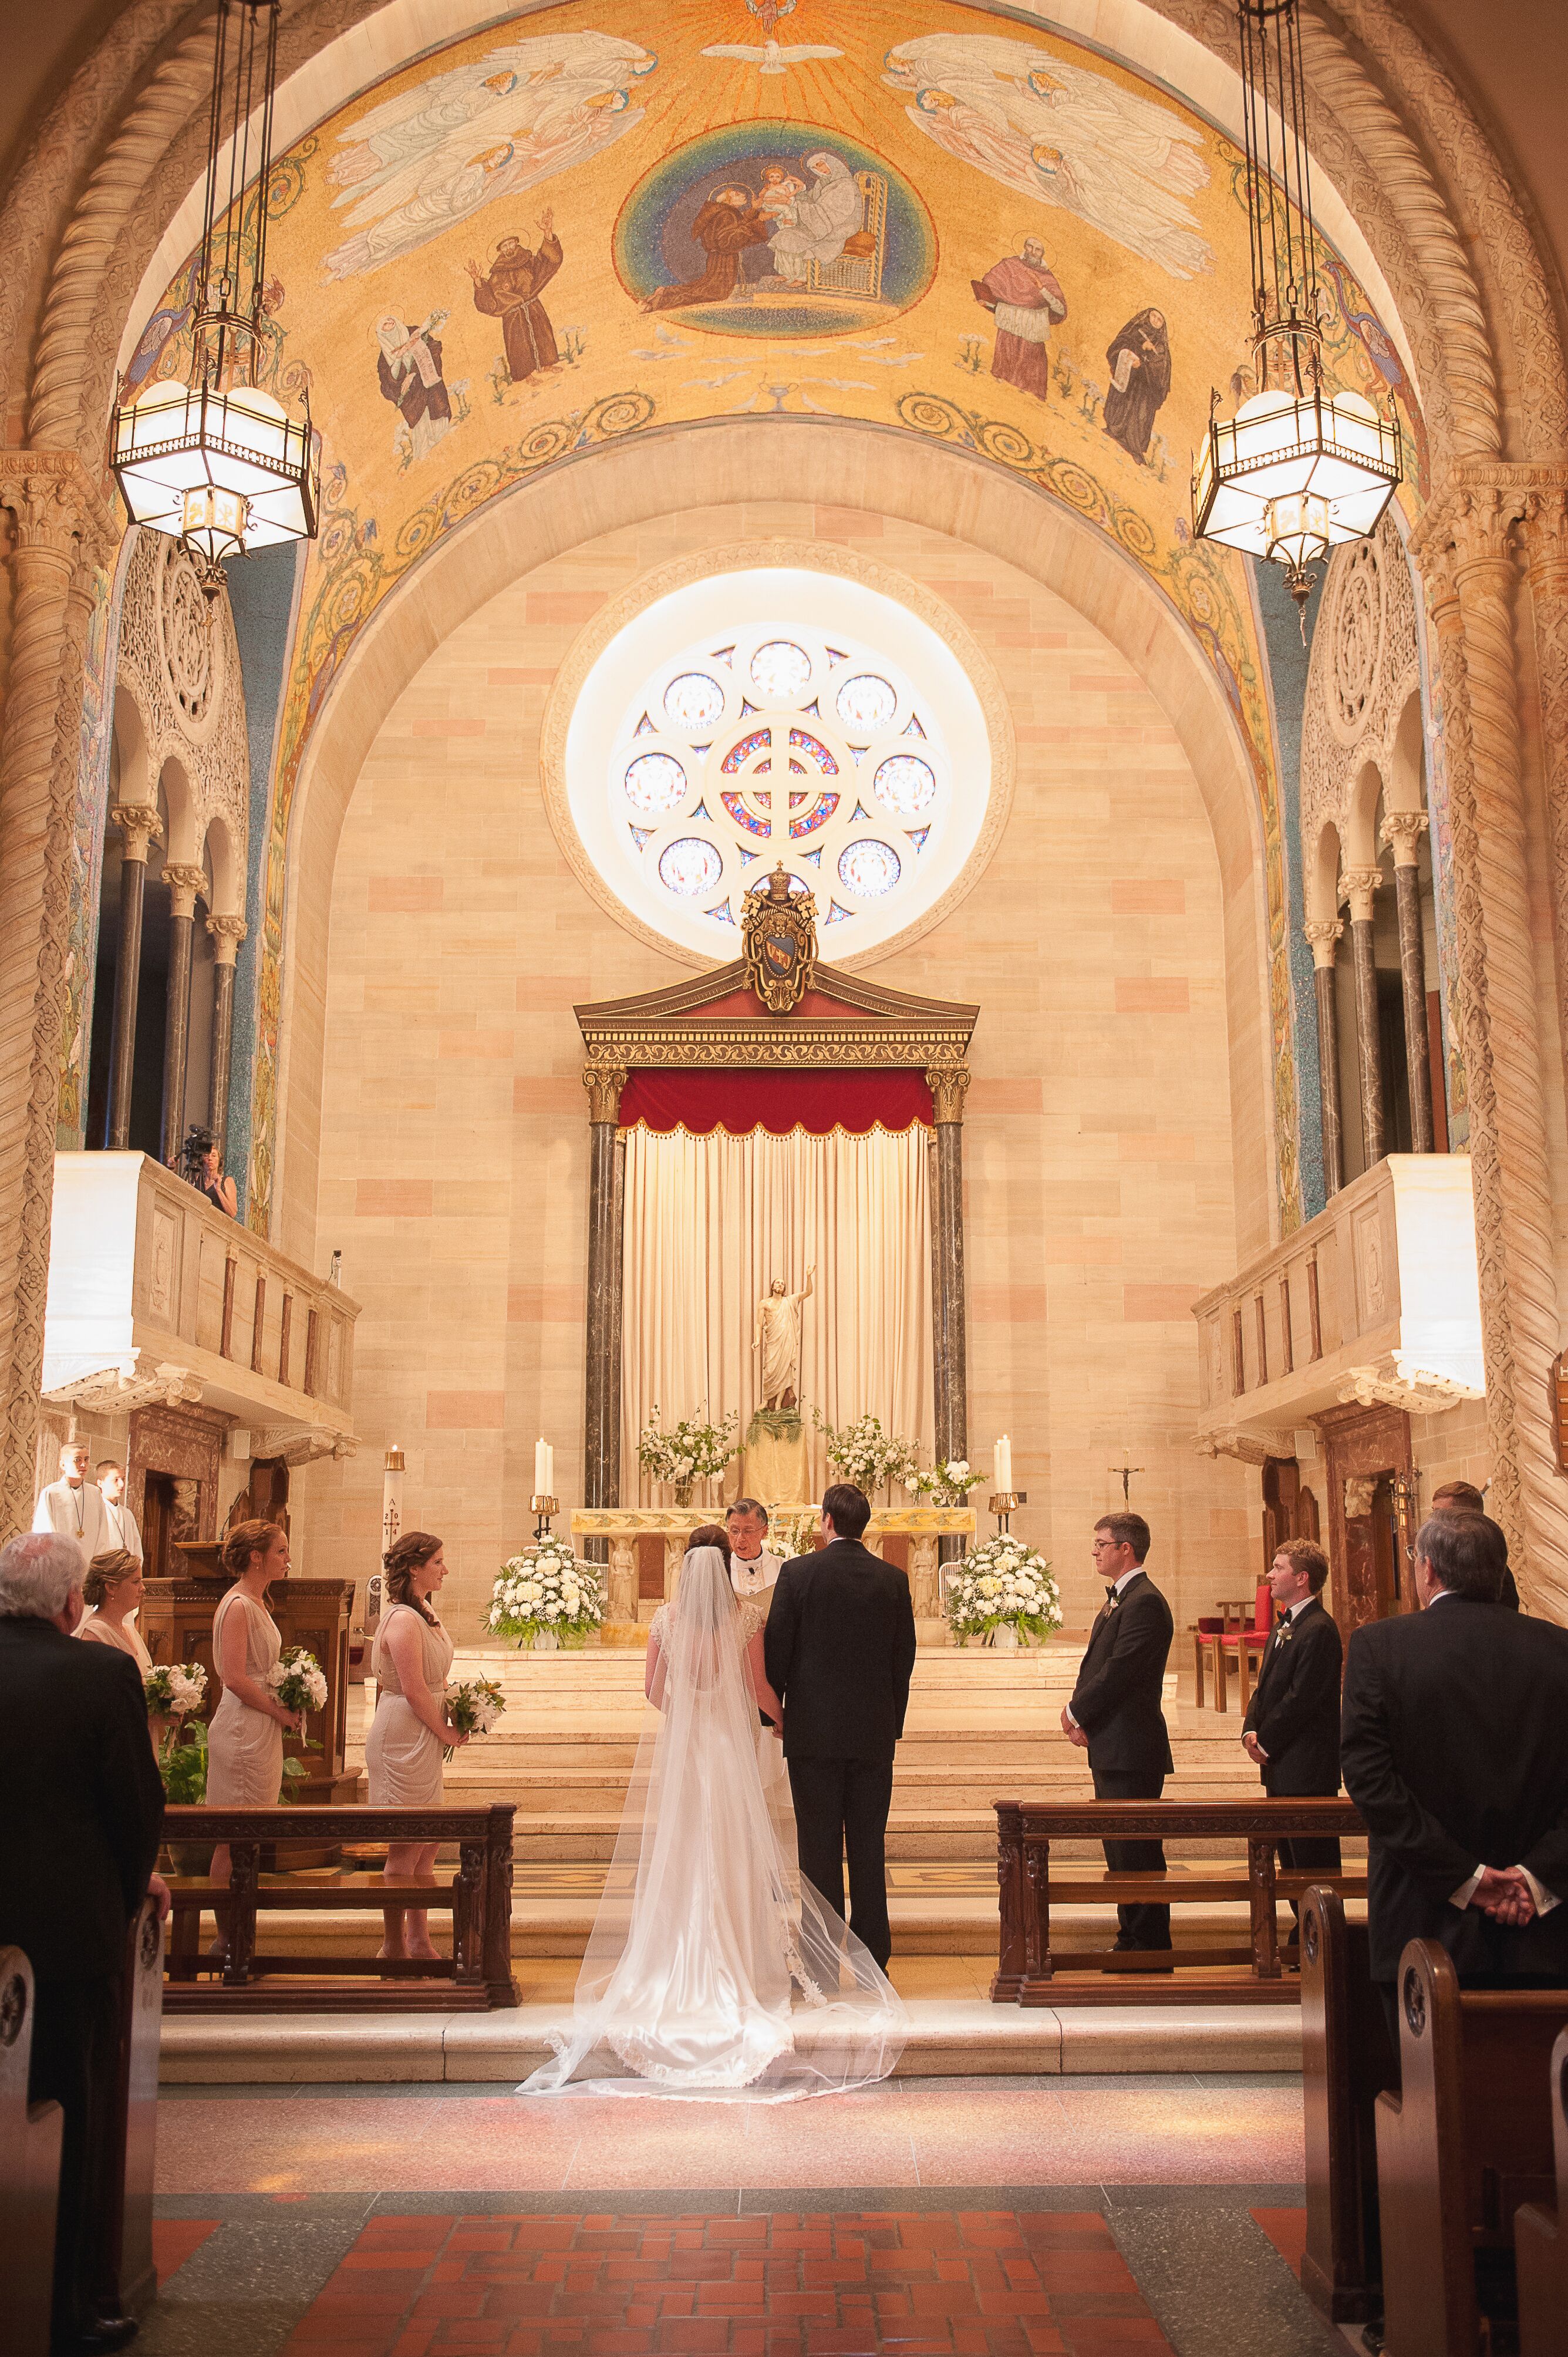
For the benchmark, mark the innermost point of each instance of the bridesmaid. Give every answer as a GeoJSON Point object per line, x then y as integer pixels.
{"type": "Point", "coordinates": [402, 1754]}
{"type": "Point", "coordinates": [113, 1589]}
{"type": "Point", "coordinates": [244, 1742]}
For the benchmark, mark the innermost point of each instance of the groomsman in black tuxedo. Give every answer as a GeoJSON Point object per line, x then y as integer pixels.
{"type": "Point", "coordinates": [1115, 1713]}
{"type": "Point", "coordinates": [1291, 1728]}
{"type": "Point", "coordinates": [1452, 1748]}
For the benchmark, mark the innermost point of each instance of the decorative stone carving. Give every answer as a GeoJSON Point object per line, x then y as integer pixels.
{"type": "Point", "coordinates": [115, 1391]}
{"type": "Point", "coordinates": [1355, 625]}
{"type": "Point", "coordinates": [1252, 1446]}
{"type": "Point", "coordinates": [303, 1444]}
{"type": "Point", "coordinates": [1403, 829]}
{"type": "Point", "coordinates": [604, 1084]}
{"type": "Point", "coordinates": [191, 648]}
{"type": "Point", "coordinates": [1322, 934]}
{"type": "Point", "coordinates": [227, 932]}
{"type": "Point", "coordinates": [1419, 1391]}
{"type": "Point", "coordinates": [1356, 888]}
{"type": "Point", "coordinates": [1365, 667]}
{"type": "Point", "coordinates": [948, 1084]}
{"type": "Point", "coordinates": [186, 885]}
{"type": "Point", "coordinates": [141, 827]}
{"type": "Point", "coordinates": [179, 663]}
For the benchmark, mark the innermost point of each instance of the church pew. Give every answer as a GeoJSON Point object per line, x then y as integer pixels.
{"type": "Point", "coordinates": [29, 2172]}
{"type": "Point", "coordinates": [126, 2268]}
{"type": "Point", "coordinates": [1540, 2246]}
{"type": "Point", "coordinates": [1346, 2060]}
{"type": "Point", "coordinates": [1030, 1886]}
{"type": "Point", "coordinates": [477, 1976]}
{"type": "Point", "coordinates": [1465, 2140]}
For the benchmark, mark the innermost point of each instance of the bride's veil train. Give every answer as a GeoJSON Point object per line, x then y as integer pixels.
{"type": "Point", "coordinates": [713, 1967]}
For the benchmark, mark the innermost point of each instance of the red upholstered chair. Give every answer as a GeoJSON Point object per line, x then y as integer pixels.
{"type": "Point", "coordinates": [1244, 1647]}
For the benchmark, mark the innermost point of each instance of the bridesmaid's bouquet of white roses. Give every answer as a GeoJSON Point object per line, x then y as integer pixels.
{"type": "Point", "coordinates": [473, 1705]}
{"type": "Point", "coordinates": [174, 1689]}
{"type": "Point", "coordinates": [1002, 1584]}
{"type": "Point", "coordinates": [297, 1680]}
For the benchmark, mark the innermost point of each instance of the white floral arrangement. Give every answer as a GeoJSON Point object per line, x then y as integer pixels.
{"type": "Point", "coordinates": [545, 1588]}
{"type": "Point", "coordinates": [1002, 1584]}
{"type": "Point", "coordinates": [297, 1680]}
{"type": "Point", "coordinates": [689, 1451]}
{"type": "Point", "coordinates": [867, 1456]}
{"type": "Point", "coordinates": [949, 1482]}
{"type": "Point", "coordinates": [174, 1689]}
{"type": "Point", "coordinates": [473, 1705]}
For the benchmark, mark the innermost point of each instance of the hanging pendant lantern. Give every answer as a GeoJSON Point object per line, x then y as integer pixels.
{"type": "Point", "coordinates": [1297, 470]}
{"type": "Point", "coordinates": [219, 463]}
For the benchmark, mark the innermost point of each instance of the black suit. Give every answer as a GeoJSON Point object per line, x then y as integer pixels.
{"type": "Point", "coordinates": [839, 1648]}
{"type": "Point", "coordinates": [1117, 1702]}
{"type": "Point", "coordinates": [78, 1835]}
{"type": "Point", "coordinates": [1453, 1748]}
{"type": "Point", "coordinates": [1294, 1714]}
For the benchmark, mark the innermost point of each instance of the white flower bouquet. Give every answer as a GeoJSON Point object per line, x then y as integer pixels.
{"type": "Point", "coordinates": [1002, 1584]}
{"type": "Point", "coordinates": [867, 1456]}
{"type": "Point", "coordinates": [949, 1482]}
{"type": "Point", "coordinates": [546, 1591]}
{"type": "Point", "coordinates": [689, 1451]}
{"type": "Point", "coordinates": [174, 1689]}
{"type": "Point", "coordinates": [473, 1705]}
{"type": "Point", "coordinates": [297, 1680]}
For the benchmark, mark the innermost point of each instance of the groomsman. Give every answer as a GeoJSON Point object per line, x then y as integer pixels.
{"type": "Point", "coordinates": [753, 1566]}
{"type": "Point", "coordinates": [1115, 1712]}
{"type": "Point", "coordinates": [1291, 1728]}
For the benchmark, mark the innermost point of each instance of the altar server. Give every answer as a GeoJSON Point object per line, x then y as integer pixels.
{"type": "Point", "coordinates": [753, 1566]}
{"type": "Point", "coordinates": [122, 1521]}
{"type": "Point", "coordinates": [75, 1505]}
{"type": "Point", "coordinates": [1291, 1728]}
{"type": "Point", "coordinates": [1115, 1713]}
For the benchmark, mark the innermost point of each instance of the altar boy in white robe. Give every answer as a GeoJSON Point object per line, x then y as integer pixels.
{"type": "Point", "coordinates": [753, 1568]}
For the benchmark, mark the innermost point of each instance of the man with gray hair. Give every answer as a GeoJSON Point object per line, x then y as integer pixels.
{"type": "Point", "coordinates": [78, 1838]}
{"type": "Point", "coordinates": [753, 1566]}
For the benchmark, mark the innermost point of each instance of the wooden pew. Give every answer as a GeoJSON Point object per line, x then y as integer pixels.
{"type": "Point", "coordinates": [127, 2274]}
{"type": "Point", "coordinates": [1466, 2139]}
{"type": "Point", "coordinates": [1540, 2246]}
{"type": "Point", "coordinates": [29, 2172]}
{"type": "Point", "coordinates": [1346, 2061]}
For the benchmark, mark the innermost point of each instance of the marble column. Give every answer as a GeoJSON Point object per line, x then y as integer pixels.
{"type": "Point", "coordinates": [948, 1086]}
{"type": "Point", "coordinates": [601, 1415]}
{"type": "Point", "coordinates": [138, 822]}
{"type": "Point", "coordinates": [184, 884]}
{"type": "Point", "coordinates": [227, 932]}
{"type": "Point", "coordinates": [1358, 886]}
{"type": "Point", "coordinates": [1404, 830]}
{"type": "Point", "coordinates": [1323, 932]}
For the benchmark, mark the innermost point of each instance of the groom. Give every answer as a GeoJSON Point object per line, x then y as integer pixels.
{"type": "Point", "coordinates": [839, 1648]}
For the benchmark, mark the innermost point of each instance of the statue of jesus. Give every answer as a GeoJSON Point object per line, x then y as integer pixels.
{"type": "Point", "coordinates": [779, 1340]}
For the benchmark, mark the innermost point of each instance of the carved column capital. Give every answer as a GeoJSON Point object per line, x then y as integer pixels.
{"type": "Point", "coordinates": [1323, 932]}
{"type": "Point", "coordinates": [186, 887]}
{"type": "Point", "coordinates": [1357, 887]}
{"type": "Point", "coordinates": [948, 1084]}
{"type": "Point", "coordinates": [227, 932]}
{"type": "Point", "coordinates": [1403, 829]}
{"type": "Point", "coordinates": [1546, 538]}
{"type": "Point", "coordinates": [49, 500]}
{"type": "Point", "coordinates": [140, 824]}
{"type": "Point", "coordinates": [604, 1084]}
{"type": "Point", "coordinates": [1484, 516]}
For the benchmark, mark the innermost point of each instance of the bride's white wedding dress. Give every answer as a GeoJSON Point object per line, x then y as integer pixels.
{"type": "Point", "coordinates": [713, 1967]}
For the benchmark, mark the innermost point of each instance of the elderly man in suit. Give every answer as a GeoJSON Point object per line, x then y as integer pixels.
{"type": "Point", "coordinates": [753, 1568]}
{"type": "Point", "coordinates": [1292, 1728]}
{"type": "Point", "coordinates": [1115, 1713]}
{"type": "Point", "coordinates": [78, 1835]}
{"type": "Point", "coordinates": [839, 1650]}
{"type": "Point", "coordinates": [1452, 1748]}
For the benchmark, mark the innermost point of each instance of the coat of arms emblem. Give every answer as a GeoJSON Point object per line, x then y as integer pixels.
{"type": "Point", "coordinates": [780, 935]}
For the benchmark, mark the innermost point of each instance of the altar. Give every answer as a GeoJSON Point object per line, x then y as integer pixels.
{"type": "Point", "coordinates": [793, 1529]}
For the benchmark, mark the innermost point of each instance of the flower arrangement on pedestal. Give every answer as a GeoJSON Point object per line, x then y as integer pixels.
{"type": "Point", "coordinates": [689, 1452]}
{"type": "Point", "coordinates": [545, 1597]}
{"type": "Point", "coordinates": [949, 1482]}
{"type": "Point", "coordinates": [868, 1455]}
{"type": "Point", "coordinates": [1000, 1592]}
{"type": "Point", "coordinates": [473, 1705]}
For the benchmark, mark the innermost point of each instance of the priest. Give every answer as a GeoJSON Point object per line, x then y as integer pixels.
{"type": "Point", "coordinates": [753, 1568]}
{"type": "Point", "coordinates": [76, 1505]}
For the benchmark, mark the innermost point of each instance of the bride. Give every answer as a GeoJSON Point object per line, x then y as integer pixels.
{"type": "Point", "coordinates": [713, 1967]}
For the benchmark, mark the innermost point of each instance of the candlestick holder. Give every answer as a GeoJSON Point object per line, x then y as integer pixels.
{"type": "Point", "coordinates": [1003, 1503]}
{"type": "Point", "coordinates": [542, 1508]}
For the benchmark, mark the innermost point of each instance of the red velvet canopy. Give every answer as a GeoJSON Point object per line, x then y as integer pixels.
{"type": "Point", "coordinates": [701, 1100]}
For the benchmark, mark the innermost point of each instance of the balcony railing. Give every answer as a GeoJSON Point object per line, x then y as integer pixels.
{"type": "Point", "coordinates": [153, 1294]}
{"type": "Point", "coordinates": [1375, 1299]}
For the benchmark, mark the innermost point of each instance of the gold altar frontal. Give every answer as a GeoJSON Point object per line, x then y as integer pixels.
{"type": "Point", "coordinates": [623, 1526]}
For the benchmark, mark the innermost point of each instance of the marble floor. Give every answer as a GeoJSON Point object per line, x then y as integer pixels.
{"type": "Point", "coordinates": [960, 2218]}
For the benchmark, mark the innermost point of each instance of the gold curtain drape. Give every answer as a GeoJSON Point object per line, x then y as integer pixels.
{"type": "Point", "coordinates": [710, 1221]}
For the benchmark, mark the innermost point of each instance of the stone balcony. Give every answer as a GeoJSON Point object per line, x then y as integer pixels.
{"type": "Point", "coordinates": [1375, 1300]}
{"type": "Point", "coordinates": [154, 1296]}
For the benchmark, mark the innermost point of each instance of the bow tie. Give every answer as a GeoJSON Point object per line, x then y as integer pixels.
{"type": "Point", "coordinates": [1111, 1594]}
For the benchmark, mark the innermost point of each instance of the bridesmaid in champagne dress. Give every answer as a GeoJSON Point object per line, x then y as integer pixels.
{"type": "Point", "coordinates": [244, 1742]}
{"type": "Point", "coordinates": [114, 1591]}
{"type": "Point", "coordinates": [410, 1728]}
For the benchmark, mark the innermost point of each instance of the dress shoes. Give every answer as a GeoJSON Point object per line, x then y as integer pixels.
{"type": "Point", "coordinates": [105, 2332]}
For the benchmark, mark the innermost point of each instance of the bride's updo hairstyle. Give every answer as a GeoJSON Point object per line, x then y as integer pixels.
{"type": "Point", "coordinates": [401, 1560]}
{"type": "Point", "coordinates": [711, 1534]}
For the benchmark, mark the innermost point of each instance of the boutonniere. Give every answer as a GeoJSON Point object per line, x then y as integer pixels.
{"type": "Point", "coordinates": [1283, 1636]}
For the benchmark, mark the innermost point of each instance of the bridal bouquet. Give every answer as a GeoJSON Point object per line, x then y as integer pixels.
{"type": "Point", "coordinates": [1002, 1585]}
{"type": "Point", "coordinates": [866, 1455]}
{"type": "Point", "coordinates": [297, 1681]}
{"type": "Point", "coordinates": [545, 1592]}
{"type": "Point", "coordinates": [949, 1482]}
{"type": "Point", "coordinates": [473, 1705]}
{"type": "Point", "coordinates": [689, 1451]}
{"type": "Point", "coordinates": [174, 1690]}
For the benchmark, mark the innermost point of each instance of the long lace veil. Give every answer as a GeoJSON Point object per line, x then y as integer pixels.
{"type": "Point", "coordinates": [714, 1966]}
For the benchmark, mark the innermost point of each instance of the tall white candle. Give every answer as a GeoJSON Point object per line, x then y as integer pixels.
{"type": "Point", "coordinates": [549, 1470]}
{"type": "Point", "coordinates": [539, 1488]}
{"type": "Point", "coordinates": [996, 1465]}
{"type": "Point", "coordinates": [1005, 1481]}
{"type": "Point", "coordinates": [392, 1497]}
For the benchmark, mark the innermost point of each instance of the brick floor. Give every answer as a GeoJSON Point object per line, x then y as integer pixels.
{"type": "Point", "coordinates": [959, 2283]}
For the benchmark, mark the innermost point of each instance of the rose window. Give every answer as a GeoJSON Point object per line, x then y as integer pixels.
{"type": "Point", "coordinates": [761, 746]}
